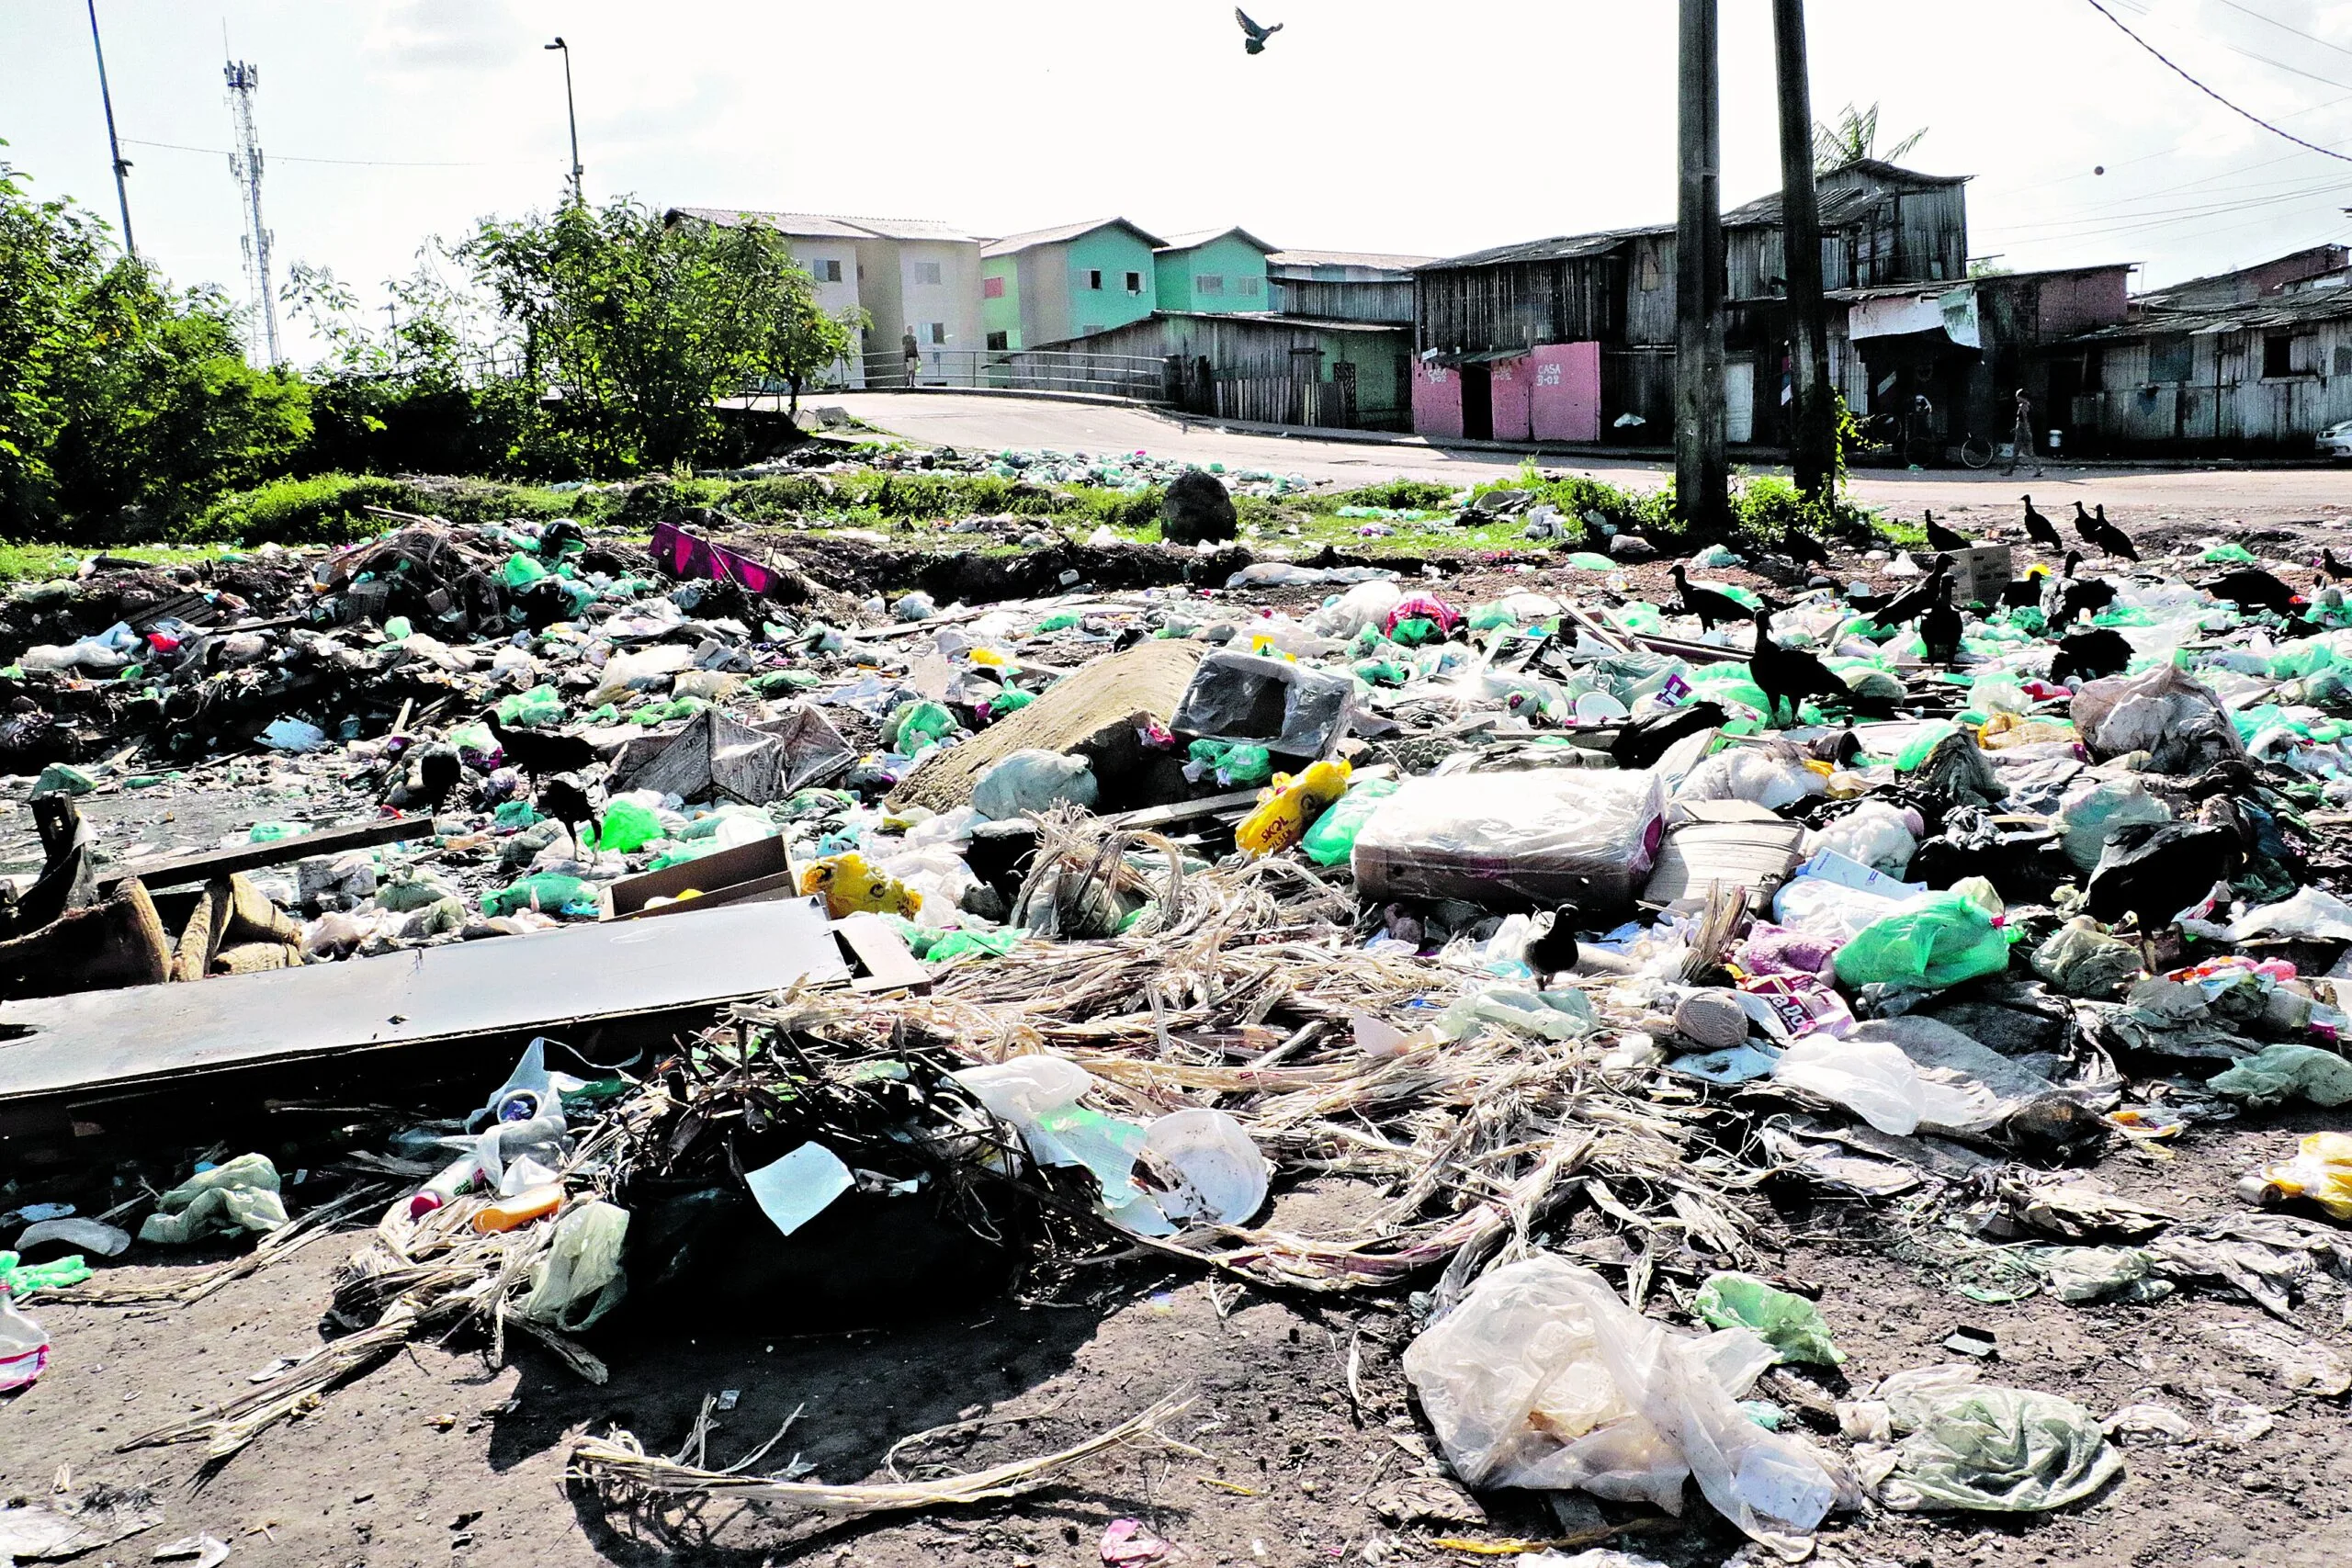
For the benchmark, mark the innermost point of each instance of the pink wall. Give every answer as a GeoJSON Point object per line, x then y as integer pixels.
{"type": "Point", "coordinates": [1513, 380]}
{"type": "Point", "coordinates": [1437, 400]}
{"type": "Point", "coordinates": [1563, 396]}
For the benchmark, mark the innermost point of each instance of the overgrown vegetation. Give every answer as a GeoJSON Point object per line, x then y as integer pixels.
{"type": "Point", "coordinates": [1396, 495]}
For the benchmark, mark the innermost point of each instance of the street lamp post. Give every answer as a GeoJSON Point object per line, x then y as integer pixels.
{"type": "Point", "coordinates": [572, 113]}
{"type": "Point", "coordinates": [114, 147]}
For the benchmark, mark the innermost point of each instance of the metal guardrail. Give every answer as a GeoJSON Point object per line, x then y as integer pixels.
{"type": "Point", "coordinates": [1139, 377]}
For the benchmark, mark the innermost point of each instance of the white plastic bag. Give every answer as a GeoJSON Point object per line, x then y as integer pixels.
{"type": "Point", "coordinates": [579, 1280]}
{"type": "Point", "coordinates": [1872, 1078]}
{"type": "Point", "coordinates": [23, 1347]}
{"type": "Point", "coordinates": [2090, 812]}
{"type": "Point", "coordinates": [1033, 780]}
{"type": "Point", "coordinates": [1874, 834]}
{"type": "Point", "coordinates": [1772, 776]}
{"type": "Point", "coordinates": [1365, 604]}
{"type": "Point", "coordinates": [1544, 1377]}
{"type": "Point", "coordinates": [625, 672]}
{"type": "Point", "coordinates": [2178, 721]}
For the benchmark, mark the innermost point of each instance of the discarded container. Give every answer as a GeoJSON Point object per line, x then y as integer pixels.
{"type": "Point", "coordinates": [513, 1213]}
{"type": "Point", "coordinates": [2320, 1171]}
{"type": "Point", "coordinates": [1547, 839]}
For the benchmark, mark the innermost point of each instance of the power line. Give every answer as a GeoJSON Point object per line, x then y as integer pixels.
{"type": "Point", "coordinates": [2140, 8]}
{"type": "Point", "coordinates": [290, 158]}
{"type": "Point", "coordinates": [2184, 75]}
{"type": "Point", "coordinates": [2287, 26]}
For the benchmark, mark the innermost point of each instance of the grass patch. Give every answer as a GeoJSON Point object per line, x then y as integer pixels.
{"type": "Point", "coordinates": [1396, 495]}
{"type": "Point", "coordinates": [326, 509]}
{"type": "Point", "coordinates": [39, 563]}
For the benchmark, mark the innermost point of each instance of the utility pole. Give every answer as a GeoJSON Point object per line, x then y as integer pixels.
{"type": "Point", "coordinates": [571, 115]}
{"type": "Point", "coordinates": [244, 162]}
{"type": "Point", "coordinates": [114, 146]}
{"type": "Point", "coordinates": [1701, 482]}
{"type": "Point", "coordinates": [1812, 425]}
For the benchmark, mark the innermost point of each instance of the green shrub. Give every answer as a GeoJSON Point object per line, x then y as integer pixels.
{"type": "Point", "coordinates": [1396, 495]}
{"type": "Point", "coordinates": [326, 509]}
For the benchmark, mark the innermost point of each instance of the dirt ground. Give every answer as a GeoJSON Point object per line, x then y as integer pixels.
{"type": "Point", "coordinates": [440, 1457]}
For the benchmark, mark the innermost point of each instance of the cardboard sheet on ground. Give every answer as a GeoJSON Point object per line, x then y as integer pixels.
{"type": "Point", "coordinates": [515, 985]}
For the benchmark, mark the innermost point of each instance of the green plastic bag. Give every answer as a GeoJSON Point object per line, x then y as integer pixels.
{"type": "Point", "coordinates": [1333, 837]}
{"type": "Point", "coordinates": [2280, 1073]}
{"type": "Point", "coordinates": [517, 814]}
{"type": "Point", "coordinates": [546, 891]}
{"type": "Point", "coordinates": [1592, 561]}
{"type": "Point", "coordinates": [915, 724]}
{"type": "Point", "coordinates": [520, 570]}
{"type": "Point", "coordinates": [21, 1279]}
{"type": "Point", "coordinates": [1011, 700]}
{"type": "Point", "coordinates": [541, 707]}
{"type": "Point", "coordinates": [628, 827]}
{"type": "Point", "coordinates": [1413, 631]}
{"type": "Point", "coordinates": [1060, 622]}
{"type": "Point", "coordinates": [1934, 940]}
{"type": "Point", "coordinates": [1236, 763]}
{"type": "Point", "coordinates": [2008, 1450]}
{"type": "Point", "coordinates": [2232, 555]}
{"type": "Point", "coordinates": [275, 832]}
{"type": "Point", "coordinates": [1922, 746]}
{"type": "Point", "coordinates": [1793, 1326]}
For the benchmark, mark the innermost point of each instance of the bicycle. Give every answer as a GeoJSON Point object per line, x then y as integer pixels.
{"type": "Point", "coordinates": [1975, 451]}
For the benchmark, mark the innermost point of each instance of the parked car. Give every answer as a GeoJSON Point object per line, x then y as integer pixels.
{"type": "Point", "coordinates": [2335, 441]}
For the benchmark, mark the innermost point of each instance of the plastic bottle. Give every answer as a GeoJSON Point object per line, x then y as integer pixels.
{"type": "Point", "coordinates": [454, 1178]}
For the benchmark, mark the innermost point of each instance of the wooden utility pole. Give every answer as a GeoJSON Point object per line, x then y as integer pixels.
{"type": "Point", "coordinates": [1812, 422]}
{"type": "Point", "coordinates": [1701, 483]}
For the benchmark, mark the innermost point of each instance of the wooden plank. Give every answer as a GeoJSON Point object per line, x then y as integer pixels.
{"type": "Point", "coordinates": [146, 1036]}
{"type": "Point", "coordinates": [178, 870]}
{"type": "Point", "coordinates": [888, 965]}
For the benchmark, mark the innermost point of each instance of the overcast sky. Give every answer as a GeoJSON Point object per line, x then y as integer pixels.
{"type": "Point", "coordinates": [1397, 125]}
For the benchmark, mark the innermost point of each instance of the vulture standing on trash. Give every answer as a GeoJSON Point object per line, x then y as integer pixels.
{"type": "Point", "coordinates": [1913, 602]}
{"type": "Point", "coordinates": [1789, 673]}
{"type": "Point", "coordinates": [1706, 603]}
{"type": "Point", "coordinates": [2024, 593]}
{"type": "Point", "coordinates": [563, 801]}
{"type": "Point", "coordinates": [2086, 656]}
{"type": "Point", "coordinates": [1940, 628]}
{"type": "Point", "coordinates": [2110, 539]}
{"type": "Point", "coordinates": [2252, 590]}
{"type": "Point", "coordinates": [536, 755]}
{"type": "Point", "coordinates": [2040, 529]}
{"type": "Point", "coordinates": [2080, 595]}
{"type": "Point", "coordinates": [1942, 538]}
{"type": "Point", "coordinates": [1802, 547]}
{"type": "Point", "coordinates": [1254, 36]}
{"type": "Point", "coordinates": [2336, 570]}
{"type": "Point", "coordinates": [437, 771]}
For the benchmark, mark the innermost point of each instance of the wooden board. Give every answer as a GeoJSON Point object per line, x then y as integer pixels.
{"type": "Point", "coordinates": [147, 1035]}
{"type": "Point", "coordinates": [177, 871]}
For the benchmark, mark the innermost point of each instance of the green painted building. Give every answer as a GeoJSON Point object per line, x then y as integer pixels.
{"type": "Point", "coordinates": [1215, 270]}
{"type": "Point", "coordinates": [1052, 284]}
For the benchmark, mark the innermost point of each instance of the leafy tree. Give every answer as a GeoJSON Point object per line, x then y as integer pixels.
{"type": "Point", "coordinates": [1853, 137]}
{"type": "Point", "coordinates": [638, 325]}
{"type": "Point", "coordinates": [123, 403]}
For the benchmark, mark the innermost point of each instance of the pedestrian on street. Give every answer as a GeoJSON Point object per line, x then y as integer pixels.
{"type": "Point", "coordinates": [2021, 439]}
{"type": "Point", "coordinates": [913, 351]}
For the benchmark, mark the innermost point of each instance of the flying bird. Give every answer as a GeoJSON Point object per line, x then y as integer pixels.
{"type": "Point", "coordinates": [1254, 36]}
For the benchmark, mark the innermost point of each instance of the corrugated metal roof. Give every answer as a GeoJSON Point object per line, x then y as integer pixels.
{"type": "Point", "coordinates": [2305, 308]}
{"type": "Point", "coordinates": [1012, 243]}
{"type": "Point", "coordinates": [1562, 247]}
{"type": "Point", "coordinates": [1200, 237]}
{"type": "Point", "coordinates": [1370, 260]}
{"type": "Point", "coordinates": [827, 226]}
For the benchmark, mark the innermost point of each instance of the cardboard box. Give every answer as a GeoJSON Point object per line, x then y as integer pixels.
{"type": "Point", "coordinates": [748, 874]}
{"type": "Point", "coordinates": [1978, 575]}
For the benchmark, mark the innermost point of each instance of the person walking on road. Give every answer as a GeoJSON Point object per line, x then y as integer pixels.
{"type": "Point", "coordinates": [913, 351]}
{"type": "Point", "coordinates": [2021, 439]}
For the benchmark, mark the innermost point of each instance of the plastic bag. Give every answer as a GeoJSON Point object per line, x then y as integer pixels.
{"type": "Point", "coordinates": [1033, 780]}
{"type": "Point", "coordinates": [1236, 763]}
{"type": "Point", "coordinates": [541, 707]}
{"type": "Point", "coordinates": [627, 826]}
{"type": "Point", "coordinates": [1793, 1326]}
{"type": "Point", "coordinates": [2320, 1171]}
{"type": "Point", "coordinates": [1284, 813]}
{"type": "Point", "coordinates": [546, 891]}
{"type": "Point", "coordinates": [626, 672]}
{"type": "Point", "coordinates": [2278, 1072]}
{"type": "Point", "coordinates": [1874, 834]}
{"type": "Point", "coordinates": [2179, 722]}
{"type": "Point", "coordinates": [1872, 1078]}
{"type": "Point", "coordinates": [852, 888]}
{"type": "Point", "coordinates": [579, 1280]}
{"type": "Point", "coordinates": [1774, 777]}
{"type": "Point", "coordinates": [23, 1347]}
{"type": "Point", "coordinates": [239, 1196]}
{"type": "Point", "coordinates": [1998, 1450]}
{"type": "Point", "coordinates": [2103, 1273]}
{"type": "Point", "coordinates": [1931, 941]}
{"type": "Point", "coordinates": [1333, 837]}
{"type": "Point", "coordinates": [1542, 1376]}
{"type": "Point", "coordinates": [2090, 812]}
{"type": "Point", "coordinates": [1563, 837]}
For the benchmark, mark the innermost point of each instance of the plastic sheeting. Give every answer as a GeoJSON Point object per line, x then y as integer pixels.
{"type": "Point", "coordinates": [1575, 837]}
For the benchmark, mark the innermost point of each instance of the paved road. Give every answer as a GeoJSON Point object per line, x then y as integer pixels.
{"type": "Point", "coordinates": [2280, 495]}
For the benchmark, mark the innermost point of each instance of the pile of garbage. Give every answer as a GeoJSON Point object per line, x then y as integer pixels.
{"type": "Point", "coordinates": [1556, 924]}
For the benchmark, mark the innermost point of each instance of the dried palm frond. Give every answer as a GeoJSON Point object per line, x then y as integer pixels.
{"type": "Point", "coordinates": [619, 1466]}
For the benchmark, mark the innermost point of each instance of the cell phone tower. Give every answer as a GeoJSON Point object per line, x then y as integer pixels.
{"type": "Point", "coordinates": [244, 162]}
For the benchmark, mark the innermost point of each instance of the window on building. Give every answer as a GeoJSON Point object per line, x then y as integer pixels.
{"type": "Point", "coordinates": [1249, 286]}
{"type": "Point", "coordinates": [829, 270]}
{"type": "Point", "coordinates": [936, 332]}
{"type": "Point", "coordinates": [1094, 279]}
{"type": "Point", "coordinates": [927, 272]}
{"type": "Point", "coordinates": [999, 340]}
{"type": "Point", "coordinates": [1134, 283]}
{"type": "Point", "coordinates": [1208, 283]}
{"type": "Point", "coordinates": [1650, 278]}
{"type": "Point", "coordinates": [2277, 355]}
{"type": "Point", "coordinates": [993, 288]}
{"type": "Point", "coordinates": [2169, 358]}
